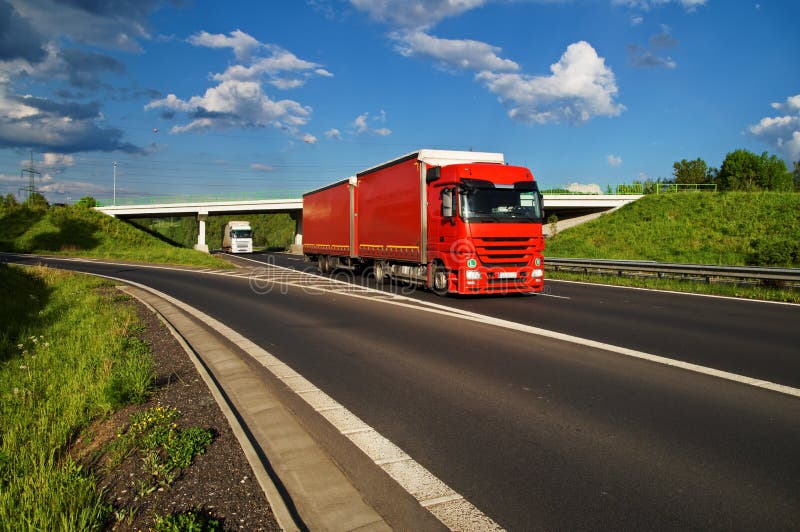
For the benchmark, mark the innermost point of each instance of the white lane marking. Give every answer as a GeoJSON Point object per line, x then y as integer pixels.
{"type": "Point", "coordinates": [674, 292]}
{"type": "Point", "coordinates": [551, 295]}
{"type": "Point", "coordinates": [412, 476]}
{"type": "Point", "coordinates": [436, 308]}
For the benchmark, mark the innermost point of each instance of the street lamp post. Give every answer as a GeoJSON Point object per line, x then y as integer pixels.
{"type": "Point", "coordinates": [115, 183]}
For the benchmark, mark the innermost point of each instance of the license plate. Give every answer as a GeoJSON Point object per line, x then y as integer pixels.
{"type": "Point", "coordinates": [507, 275]}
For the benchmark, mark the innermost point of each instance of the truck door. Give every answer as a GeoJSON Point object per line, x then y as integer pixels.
{"type": "Point", "coordinates": [448, 211]}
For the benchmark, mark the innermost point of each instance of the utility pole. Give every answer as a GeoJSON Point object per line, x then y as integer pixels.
{"type": "Point", "coordinates": [115, 183]}
{"type": "Point", "coordinates": [32, 173]}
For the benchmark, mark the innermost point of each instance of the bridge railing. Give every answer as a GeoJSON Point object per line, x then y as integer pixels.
{"type": "Point", "coordinates": [200, 198]}
{"type": "Point", "coordinates": [666, 188]}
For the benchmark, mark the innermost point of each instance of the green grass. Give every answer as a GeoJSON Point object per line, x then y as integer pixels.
{"type": "Point", "coordinates": [734, 228]}
{"type": "Point", "coordinates": [68, 354]}
{"type": "Point", "coordinates": [165, 448]}
{"type": "Point", "coordinates": [84, 232]}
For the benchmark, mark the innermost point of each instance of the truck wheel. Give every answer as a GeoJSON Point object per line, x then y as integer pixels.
{"type": "Point", "coordinates": [380, 272]}
{"type": "Point", "coordinates": [440, 281]}
{"type": "Point", "coordinates": [322, 264]}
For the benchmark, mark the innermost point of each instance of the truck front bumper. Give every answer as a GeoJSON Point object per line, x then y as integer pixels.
{"type": "Point", "coordinates": [498, 281]}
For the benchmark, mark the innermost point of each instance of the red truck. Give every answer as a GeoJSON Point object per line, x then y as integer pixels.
{"type": "Point", "coordinates": [454, 221]}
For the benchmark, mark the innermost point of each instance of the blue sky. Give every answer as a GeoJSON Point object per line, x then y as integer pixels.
{"type": "Point", "coordinates": [196, 97]}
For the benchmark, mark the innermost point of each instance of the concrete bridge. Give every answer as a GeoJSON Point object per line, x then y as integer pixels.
{"type": "Point", "coordinates": [567, 207]}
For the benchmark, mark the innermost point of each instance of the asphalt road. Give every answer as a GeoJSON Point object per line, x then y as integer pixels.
{"type": "Point", "coordinates": [544, 434]}
{"type": "Point", "coordinates": [757, 339]}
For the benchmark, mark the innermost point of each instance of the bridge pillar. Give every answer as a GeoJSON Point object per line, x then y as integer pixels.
{"type": "Point", "coordinates": [297, 245]}
{"type": "Point", "coordinates": [201, 232]}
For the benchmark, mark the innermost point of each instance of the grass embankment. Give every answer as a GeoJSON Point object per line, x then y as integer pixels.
{"type": "Point", "coordinates": [270, 231]}
{"type": "Point", "coordinates": [68, 354]}
{"type": "Point", "coordinates": [757, 229]}
{"type": "Point", "coordinates": [84, 232]}
{"type": "Point", "coordinates": [735, 228]}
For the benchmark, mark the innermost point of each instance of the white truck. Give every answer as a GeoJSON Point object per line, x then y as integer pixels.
{"type": "Point", "coordinates": [237, 237]}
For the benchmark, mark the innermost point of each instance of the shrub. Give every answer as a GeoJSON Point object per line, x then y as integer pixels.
{"type": "Point", "coordinates": [773, 252]}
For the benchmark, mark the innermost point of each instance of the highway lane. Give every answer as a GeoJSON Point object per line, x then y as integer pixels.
{"type": "Point", "coordinates": [750, 338]}
{"type": "Point", "coordinates": [536, 433]}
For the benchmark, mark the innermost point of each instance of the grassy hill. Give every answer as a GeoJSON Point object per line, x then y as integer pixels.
{"type": "Point", "coordinates": [735, 228]}
{"type": "Point", "coordinates": [81, 231]}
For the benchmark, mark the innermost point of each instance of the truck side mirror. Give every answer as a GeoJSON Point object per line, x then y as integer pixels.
{"type": "Point", "coordinates": [447, 203]}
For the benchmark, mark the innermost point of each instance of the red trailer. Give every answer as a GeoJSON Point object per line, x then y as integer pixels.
{"type": "Point", "coordinates": [461, 222]}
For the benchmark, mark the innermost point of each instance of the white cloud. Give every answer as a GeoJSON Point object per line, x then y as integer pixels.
{"type": "Point", "coordinates": [453, 53]}
{"type": "Point", "coordinates": [333, 134]}
{"type": "Point", "coordinates": [243, 45]}
{"type": "Point", "coordinates": [415, 13]}
{"type": "Point", "coordinates": [308, 138]}
{"type": "Point", "coordinates": [262, 167]}
{"type": "Point", "coordinates": [636, 20]}
{"type": "Point", "coordinates": [233, 104]}
{"type": "Point", "coordinates": [792, 103]}
{"type": "Point", "coordinates": [239, 99]}
{"type": "Point", "coordinates": [614, 160]}
{"type": "Point", "coordinates": [360, 123]}
{"type": "Point", "coordinates": [688, 5]}
{"type": "Point", "coordinates": [580, 87]}
{"type": "Point", "coordinates": [57, 160]}
{"type": "Point", "coordinates": [279, 62]}
{"type": "Point", "coordinates": [782, 132]}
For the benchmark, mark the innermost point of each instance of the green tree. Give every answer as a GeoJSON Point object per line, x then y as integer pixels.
{"type": "Point", "coordinates": [87, 201]}
{"type": "Point", "coordinates": [746, 171]}
{"type": "Point", "coordinates": [691, 172]}
{"type": "Point", "coordinates": [797, 176]}
{"type": "Point", "coordinates": [8, 201]}
{"type": "Point", "coordinates": [37, 200]}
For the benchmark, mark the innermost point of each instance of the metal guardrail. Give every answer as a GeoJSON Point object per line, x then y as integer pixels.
{"type": "Point", "coordinates": [787, 275]}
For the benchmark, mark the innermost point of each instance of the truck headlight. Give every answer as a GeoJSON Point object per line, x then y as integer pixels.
{"type": "Point", "coordinates": [538, 272]}
{"type": "Point", "coordinates": [473, 275]}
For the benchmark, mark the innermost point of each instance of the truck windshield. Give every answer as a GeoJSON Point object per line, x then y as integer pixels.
{"type": "Point", "coordinates": [241, 233]}
{"type": "Point", "coordinates": [500, 205]}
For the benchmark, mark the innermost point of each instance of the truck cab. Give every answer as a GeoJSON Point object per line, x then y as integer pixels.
{"type": "Point", "coordinates": [484, 229]}
{"type": "Point", "coordinates": [237, 237]}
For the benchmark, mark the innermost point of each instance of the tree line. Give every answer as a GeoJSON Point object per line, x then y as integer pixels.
{"type": "Point", "coordinates": [741, 170]}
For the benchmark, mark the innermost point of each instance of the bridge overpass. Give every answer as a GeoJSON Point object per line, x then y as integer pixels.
{"type": "Point", "coordinates": [565, 206]}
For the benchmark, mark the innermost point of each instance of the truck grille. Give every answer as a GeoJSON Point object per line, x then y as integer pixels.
{"type": "Point", "coordinates": [514, 251]}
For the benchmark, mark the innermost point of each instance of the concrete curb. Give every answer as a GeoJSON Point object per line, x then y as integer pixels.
{"type": "Point", "coordinates": [323, 497]}
{"type": "Point", "coordinates": [282, 513]}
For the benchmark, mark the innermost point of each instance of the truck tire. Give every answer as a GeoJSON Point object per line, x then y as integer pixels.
{"type": "Point", "coordinates": [322, 264]}
{"type": "Point", "coordinates": [380, 272]}
{"type": "Point", "coordinates": [439, 280]}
